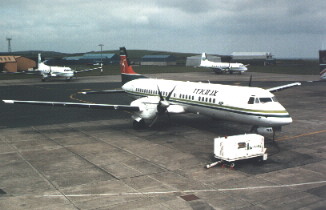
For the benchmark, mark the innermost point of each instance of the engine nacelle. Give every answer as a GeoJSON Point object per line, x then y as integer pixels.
{"type": "Point", "coordinates": [148, 108]}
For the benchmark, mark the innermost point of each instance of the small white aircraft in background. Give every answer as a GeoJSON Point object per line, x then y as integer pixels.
{"type": "Point", "coordinates": [49, 72]}
{"type": "Point", "coordinates": [220, 67]}
{"type": "Point", "coordinates": [155, 97]}
{"type": "Point", "coordinates": [323, 74]}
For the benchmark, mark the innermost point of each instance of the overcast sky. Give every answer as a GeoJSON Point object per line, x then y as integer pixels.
{"type": "Point", "coordinates": [286, 28]}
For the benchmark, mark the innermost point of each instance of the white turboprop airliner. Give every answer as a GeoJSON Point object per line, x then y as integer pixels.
{"type": "Point", "coordinates": [220, 67]}
{"type": "Point", "coordinates": [155, 97]}
{"type": "Point", "coordinates": [49, 72]}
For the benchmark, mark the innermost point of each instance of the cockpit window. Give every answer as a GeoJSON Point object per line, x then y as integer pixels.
{"type": "Point", "coordinates": [275, 99]}
{"type": "Point", "coordinates": [265, 100]}
{"type": "Point", "coordinates": [251, 100]}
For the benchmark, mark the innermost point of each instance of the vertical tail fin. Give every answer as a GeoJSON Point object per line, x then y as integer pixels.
{"type": "Point", "coordinates": [127, 72]}
{"type": "Point", "coordinates": [125, 66]}
{"type": "Point", "coordinates": [203, 56]}
{"type": "Point", "coordinates": [39, 60]}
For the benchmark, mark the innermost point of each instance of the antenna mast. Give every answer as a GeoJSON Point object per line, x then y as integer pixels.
{"type": "Point", "coordinates": [9, 44]}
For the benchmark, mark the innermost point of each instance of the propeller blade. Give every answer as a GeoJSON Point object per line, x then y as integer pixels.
{"type": "Point", "coordinates": [168, 114]}
{"type": "Point", "coordinates": [153, 121]}
{"type": "Point", "coordinates": [170, 94]}
{"type": "Point", "coordinates": [250, 80]}
{"type": "Point", "coordinates": [160, 94]}
{"type": "Point", "coordinates": [162, 105]}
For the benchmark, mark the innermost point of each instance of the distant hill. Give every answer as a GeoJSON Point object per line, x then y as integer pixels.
{"type": "Point", "coordinates": [33, 54]}
{"type": "Point", "coordinates": [133, 54]}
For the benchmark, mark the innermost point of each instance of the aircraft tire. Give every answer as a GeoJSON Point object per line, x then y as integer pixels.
{"type": "Point", "coordinates": [139, 125]}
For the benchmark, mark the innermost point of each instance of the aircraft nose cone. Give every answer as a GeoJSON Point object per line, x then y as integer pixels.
{"type": "Point", "coordinates": [286, 120]}
{"type": "Point", "coordinates": [289, 120]}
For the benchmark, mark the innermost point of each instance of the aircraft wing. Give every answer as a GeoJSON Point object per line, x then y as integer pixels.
{"type": "Point", "coordinates": [282, 87]}
{"type": "Point", "coordinates": [79, 105]}
{"type": "Point", "coordinates": [85, 70]}
{"type": "Point", "coordinates": [103, 92]}
{"type": "Point", "coordinates": [218, 70]}
{"type": "Point", "coordinates": [22, 72]}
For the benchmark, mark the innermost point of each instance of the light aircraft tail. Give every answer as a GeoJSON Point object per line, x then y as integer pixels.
{"type": "Point", "coordinates": [40, 64]}
{"type": "Point", "coordinates": [39, 60]}
{"type": "Point", "coordinates": [127, 72]}
{"type": "Point", "coordinates": [203, 56]}
{"type": "Point", "coordinates": [203, 60]}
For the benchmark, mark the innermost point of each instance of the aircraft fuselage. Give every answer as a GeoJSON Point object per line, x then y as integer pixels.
{"type": "Point", "coordinates": [250, 105]}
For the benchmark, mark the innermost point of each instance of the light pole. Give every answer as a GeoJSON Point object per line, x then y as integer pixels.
{"type": "Point", "coordinates": [101, 46]}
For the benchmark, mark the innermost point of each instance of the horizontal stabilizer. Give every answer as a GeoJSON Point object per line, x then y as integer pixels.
{"type": "Point", "coordinates": [278, 88]}
{"type": "Point", "coordinates": [85, 70]}
{"type": "Point", "coordinates": [103, 92]}
{"type": "Point", "coordinates": [79, 105]}
{"type": "Point", "coordinates": [21, 72]}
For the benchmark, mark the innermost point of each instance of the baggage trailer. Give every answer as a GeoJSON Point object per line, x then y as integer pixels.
{"type": "Point", "coordinates": [238, 147]}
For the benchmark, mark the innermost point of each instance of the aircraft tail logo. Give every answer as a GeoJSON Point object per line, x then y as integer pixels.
{"type": "Point", "coordinates": [125, 66]}
{"type": "Point", "coordinates": [127, 72]}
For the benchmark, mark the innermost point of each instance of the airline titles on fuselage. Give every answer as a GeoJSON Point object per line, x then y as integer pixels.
{"type": "Point", "coordinates": [207, 92]}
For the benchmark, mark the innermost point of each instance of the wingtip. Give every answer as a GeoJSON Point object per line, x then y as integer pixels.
{"type": "Point", "coordinates": [8, 101]}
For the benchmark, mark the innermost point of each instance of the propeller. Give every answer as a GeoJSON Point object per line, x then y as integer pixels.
{"type": "Point", "coordinates": [162, 105]}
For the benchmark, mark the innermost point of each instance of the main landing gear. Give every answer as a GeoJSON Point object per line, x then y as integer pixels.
{"type": "Point", "coordinates": [137, 125]}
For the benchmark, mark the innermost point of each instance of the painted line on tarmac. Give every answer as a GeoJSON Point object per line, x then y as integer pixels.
{"type": "Point", "coordinates": [304, 134]}
{"type": "Point", "coordinates": [73, 97]}
{"type": "Point", "coordinates": [186, 191]}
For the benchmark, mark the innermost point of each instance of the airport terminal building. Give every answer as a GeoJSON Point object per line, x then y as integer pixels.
{"type": "Point", "coordinates": [158, 60]}
{"type": "Point", "coordinates": [92, 58]}
{"type": "Point", "coordinates": [87, 58]}
{"type": "Point", "coordinates": [265, 58]}
{"type": "Point", "coordinates": [12, 63]}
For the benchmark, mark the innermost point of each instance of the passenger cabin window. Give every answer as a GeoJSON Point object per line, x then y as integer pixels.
{"type": "Point", "coordinates": [251, 100]}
